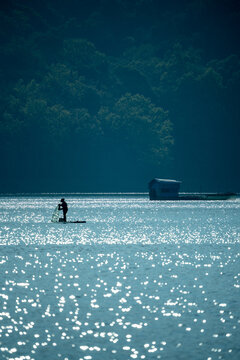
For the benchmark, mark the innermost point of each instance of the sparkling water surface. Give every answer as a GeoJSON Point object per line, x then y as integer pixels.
{"type": "Point", "coordinates": [140, 280]}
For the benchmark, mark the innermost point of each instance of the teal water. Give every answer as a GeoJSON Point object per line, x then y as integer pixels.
{"type": "Point", "coordinates": [139, 280]}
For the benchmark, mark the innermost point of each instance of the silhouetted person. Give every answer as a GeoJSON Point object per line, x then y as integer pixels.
{"type": "Point", "coordinates": [63, 206]}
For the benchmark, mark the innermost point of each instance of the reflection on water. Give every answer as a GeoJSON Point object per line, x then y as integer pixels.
{"type": "Point", "coordinates": [139, 280]}
{"type": "Point", "coordinates": [119, 220]}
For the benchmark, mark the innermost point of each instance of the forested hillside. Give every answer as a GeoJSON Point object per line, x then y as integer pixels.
{"type": "Point", "coordinates": [105, 95]}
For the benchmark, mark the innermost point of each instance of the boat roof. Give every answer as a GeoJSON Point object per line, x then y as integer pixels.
{"type": "Point", "coordinates": [166, 181]}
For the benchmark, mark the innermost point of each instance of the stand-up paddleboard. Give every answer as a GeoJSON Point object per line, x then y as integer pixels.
{"type": "Point", "coordinates": [71, 222]}
{"type": "Point", "coordinates": [56, 218]}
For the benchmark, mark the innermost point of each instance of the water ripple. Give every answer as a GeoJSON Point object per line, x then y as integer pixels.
{"type": "Point", "coordinates": [139, 280]}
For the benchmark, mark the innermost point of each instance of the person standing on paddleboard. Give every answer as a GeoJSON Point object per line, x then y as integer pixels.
{"type": "Point", "coordinates": [63, 206]}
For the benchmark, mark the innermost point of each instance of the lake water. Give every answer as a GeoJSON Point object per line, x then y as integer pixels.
{"type": "Point", "coordinates": [140, 280]}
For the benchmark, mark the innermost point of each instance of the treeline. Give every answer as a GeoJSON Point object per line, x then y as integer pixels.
{"type": "Point", "coordinates": [103, 95]}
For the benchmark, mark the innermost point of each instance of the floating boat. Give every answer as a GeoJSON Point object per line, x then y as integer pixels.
{"type": "Point", "coordinates": [164, 189]}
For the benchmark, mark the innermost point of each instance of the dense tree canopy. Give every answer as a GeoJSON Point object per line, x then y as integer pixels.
{"type": "Point", "coordinates": [103, 95]}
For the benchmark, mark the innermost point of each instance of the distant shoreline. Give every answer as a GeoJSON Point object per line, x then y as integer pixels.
{"type": "Point", "coordinates": [74, 194]}
{"type": "Point", "coordinates": [82, 194]}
